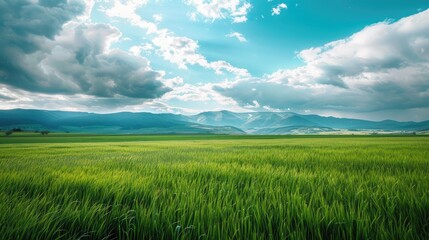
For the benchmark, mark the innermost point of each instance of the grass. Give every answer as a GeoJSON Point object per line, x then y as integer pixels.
{"type": "Point", "coordinates": [214, 187]}
{"type": "Point", "coordinates": [31, 137]}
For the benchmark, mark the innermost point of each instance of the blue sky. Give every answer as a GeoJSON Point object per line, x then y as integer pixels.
{"type": "Point", "coordinates": [364, 59]}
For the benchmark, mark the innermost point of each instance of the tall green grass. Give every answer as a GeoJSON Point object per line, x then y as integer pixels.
{"type": "Point", "coordinates": [296, 188]}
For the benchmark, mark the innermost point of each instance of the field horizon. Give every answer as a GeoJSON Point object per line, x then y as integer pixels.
{"type": "Point", "coordinates": [210, 122]}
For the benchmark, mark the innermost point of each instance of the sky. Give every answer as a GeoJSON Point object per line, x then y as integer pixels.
{"type": "Point", "coordinates": [359, 59]}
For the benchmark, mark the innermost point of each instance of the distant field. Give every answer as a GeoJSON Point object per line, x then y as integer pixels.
{"type": "Point", "coordinates": [30, 137]}
{"type": "Point", "coordinates": [213, 187]}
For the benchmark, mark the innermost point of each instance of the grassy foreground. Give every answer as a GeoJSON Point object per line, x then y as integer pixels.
{"type": "Point", "coordinates": [227, 188]}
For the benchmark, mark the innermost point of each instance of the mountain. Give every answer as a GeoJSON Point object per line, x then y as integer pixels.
{"type": "Point", "coordinates": [252, 121]}
{"type": "Point", "coordinates": [288, 122]}
{"type": "Point", "coordinates": [220, 122]}
{"type": "Point", "coordinates": [123, 122]}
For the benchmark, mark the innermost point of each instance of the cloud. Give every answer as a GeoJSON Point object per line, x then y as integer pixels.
{"type": "Point", "coordinates": [178, 50]}
{"type": "Point", "coordinates": [383, 67]}
{"type": "Point", "coordinates": [127, 10]}
{"type": "Point", "coordinates": [277, 10]}
{"type": "Point", "coordinates": [174, 82]}
{"type": "Point", "coordinates": [6, 94]}
{"type": "Point", "coordinates": [138, 49]}
{"type": "Point", "coordinates": [201, 98]}
{"type": "Point", "coordinates": [185, 99]}
{"type": "Point", "coordinates": [220, 66]}
{"type": "Point", "coordinates": [158, 106]}
{"type": "Point", "coordinates": [240, 19]}
{"type": "Point", "coordinates": [157, 17]}
{"type": "Point", "coordinates": [212, 10]}
{"type": "Point", "coordinates": [76, 102]}
{"type": "Point", "coordinates": [183, 51]}
{"type": "Point", "coordinates": [237, 35]}
{"type": "Point", "coordinates": [48, 51]}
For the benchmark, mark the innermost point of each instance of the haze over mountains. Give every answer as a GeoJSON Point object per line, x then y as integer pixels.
{"type": "Point", "coordinates": [220, 122]}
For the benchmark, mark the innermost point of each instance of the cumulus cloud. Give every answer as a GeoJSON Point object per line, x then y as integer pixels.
{"type": "Point", "coordinates": [213, 10]}
{"type": "Point", "coordinates": [237, 35]}
{"type": "Point", "coordinates": [385, 66]}
{"type": "Point", "coordinates": [45, 50]}
{"type": "Point", "coordinates": [181, 51]}
{"type": "Point", "coordinates": [277, 10]}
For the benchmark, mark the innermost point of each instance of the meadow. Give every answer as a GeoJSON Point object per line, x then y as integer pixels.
{"type": "Point", "coordinates": [214, 187]}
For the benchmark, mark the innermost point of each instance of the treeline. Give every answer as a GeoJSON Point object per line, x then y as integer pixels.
{"type": "Point", "coordinates": [13, 130]}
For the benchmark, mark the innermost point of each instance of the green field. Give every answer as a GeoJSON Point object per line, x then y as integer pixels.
{"type": "Point", "coordinates": [214, 187]}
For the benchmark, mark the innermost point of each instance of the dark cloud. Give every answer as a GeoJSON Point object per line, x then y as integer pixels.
{"type": "Point", "coordinates": [42, 50]}
{"type": "Point", "coordinates": [22, 22]}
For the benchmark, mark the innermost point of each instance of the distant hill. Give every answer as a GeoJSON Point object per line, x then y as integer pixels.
{"type": "Point", "coordinates": [220, 122]}
{"type": "Point", "coordinates": [287, 122]}
{"type": "Point", "coordinates": [124, 123]}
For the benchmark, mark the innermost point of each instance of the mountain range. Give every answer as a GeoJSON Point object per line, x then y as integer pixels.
{"type": "Point", "coordinates": [219, 122]}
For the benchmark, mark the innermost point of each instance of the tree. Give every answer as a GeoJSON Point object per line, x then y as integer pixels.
{"type": "Point", "coordinates": [8, 132]}
{"type": "Point", "coordinates": [45, 132]}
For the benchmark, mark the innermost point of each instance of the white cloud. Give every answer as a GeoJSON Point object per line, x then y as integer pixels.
{"type": "Point", "coordinates": [237, 35]}
{"type": "Point", "coordinates": [147, 47]}
{"type": "Point", "coordinates": [157, 17]}
{"type": "Point", "coordinates": [383, 67]}
{"type": "Point", "coordinates": [88, 10]}
{"type": "Point", "coordinates": [220, 66]}
{"type": "Point", "coordinates": [124, 9]}
{"type": "Point", "coordinates": [212, 10]}
{"type": "Point", "coordinates": [277, 10]}
{"type": "Point", "coordinates": [127, 10]}
{"type": "Point", "coordinates": [377, 50]}
{"type": "Point", "coordinates": [136, 50]}
{"type": "Point", "coordinates": [202, 98]}
{"type": "Point", "coordinates": [173, 82]}
{"type": "Point", "coordinates": [183, 51]}
{"type": "Point", "coordinates": [240, 19]}
{"type": "Point", "coordinates": [253, 105]}
{"type": "Point", "coordinates": [178, 50]}
{"type": "Point", "coordinates": [159, 106]}
{"type": "Point", "coordinates": [192, 16]}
